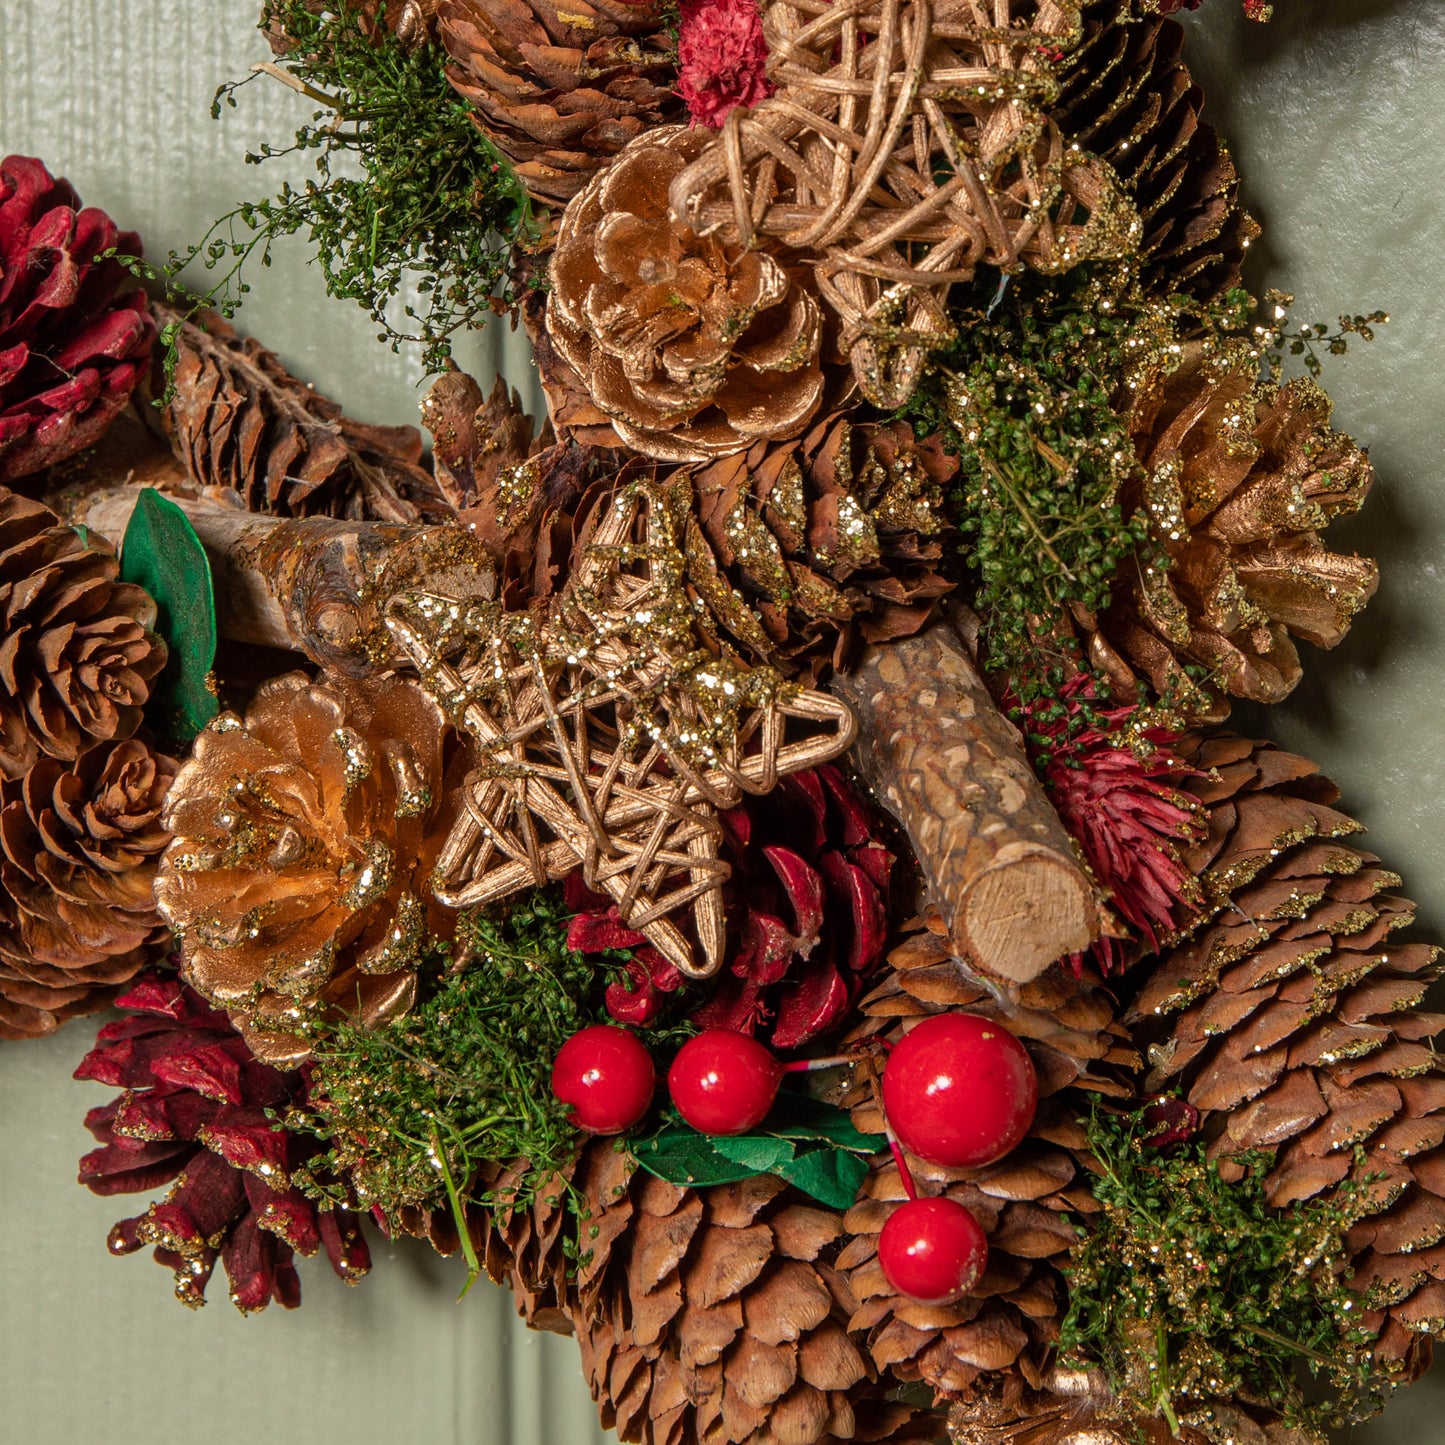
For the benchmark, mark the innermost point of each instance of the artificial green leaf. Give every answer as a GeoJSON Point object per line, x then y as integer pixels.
{"type": "Point", "coordinates": [800, 1116]}
{"type": "Point", "coordinates": [831, 1176]}
{"type": "Point", "coordinates": [683, 1156]}
{"type": "Point", "coordinates": [762, 1153]}
{"type": "Point", "coordinates": [162, 554]}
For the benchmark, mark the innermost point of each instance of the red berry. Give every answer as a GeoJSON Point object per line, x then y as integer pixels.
{"type": "Point", "coordinates": [959, 1090]}
{"type": "Point", "coordinates": [607, 1076]}
{"type": "Point", "coordinates": [724, 1082]}
{"type": "Point", "coordinates": [932, 1250]}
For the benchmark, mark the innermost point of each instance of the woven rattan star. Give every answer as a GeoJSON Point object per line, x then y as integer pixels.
{"type": "Point", "coordinates": [610, 739]}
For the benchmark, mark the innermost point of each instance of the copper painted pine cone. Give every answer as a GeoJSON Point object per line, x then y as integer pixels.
{"type": "Point", "coordinates": [1004, 1330]}
{"type": "Point", "coordinates": [1289, 1020]}
{"type": "Point", "coordinates": [1240, 477]}
{"type": "Point", "coordinates": [77, 654]}
{"type": "Point", "coordinates": [304, 838]}
{"type": "Point", "coordinates": [823, 544]}
{"type": "Point", "coordinates": [561, 89]}
{"type": "Point", "coordinates": [79, 847]}
{"type": "Point", "coordinates": [1126, 96]}
{"type": "Point", "coordinates": [693, 348]}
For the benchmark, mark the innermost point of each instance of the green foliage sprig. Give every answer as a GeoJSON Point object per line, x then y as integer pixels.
{"type": "Point", "coordinates": [1189, 1289]}
{"type": "Point", "coordinates": [406, 188]}
{"type": "Point", "coordinates": [1277, 338]}
{"type": "Point", "coordinates": [1025, 398]}
{"type": "Point", "coordinates": [412, 1110]}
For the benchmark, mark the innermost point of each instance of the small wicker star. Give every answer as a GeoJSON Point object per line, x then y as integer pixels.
{"type": "Point", "coordinates": [610, 740]}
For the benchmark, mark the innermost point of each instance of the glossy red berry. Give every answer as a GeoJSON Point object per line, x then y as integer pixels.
{"type": "Point", "coordinates": [959, 1090]}
{"type": "Point", "coordinates": [607, 1076]}
{"type": "Point", "coordinates": [932, 1250]}
{"type": "Point", "coordinates": [724, 1082]}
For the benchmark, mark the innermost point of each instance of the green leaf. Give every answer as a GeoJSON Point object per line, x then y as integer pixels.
{"type": "Point", "coordinates": [761, 1152]}
{"type": "Point", "coordinates": [831, 1176]}
{"type": "Point", "coordinates": [799, 1116]}
{"type": "Point", "coordinates": [162, 554]}
{"type": "Point", "coordinates": [683, 1156]}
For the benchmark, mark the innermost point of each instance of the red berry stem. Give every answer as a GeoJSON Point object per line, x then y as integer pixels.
{"type": "Point", "coordinates": [896, 1149]}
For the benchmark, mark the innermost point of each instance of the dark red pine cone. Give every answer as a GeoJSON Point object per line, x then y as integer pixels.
{"type": "Point", "coordinates": [194, 1112]}
{"type": "Point", "coordinates": [807, 917]}
{"type": "Point", "coordinates": [74, 341]}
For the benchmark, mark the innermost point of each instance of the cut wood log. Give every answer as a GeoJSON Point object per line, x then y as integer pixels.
{"type": "Point", "coordinates": [952, 769]}
{"type": "Point", "coordinates": [310, 584]}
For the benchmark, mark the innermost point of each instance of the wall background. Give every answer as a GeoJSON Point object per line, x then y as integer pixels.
{"type": "Point", "coordinates": [1336, 112]}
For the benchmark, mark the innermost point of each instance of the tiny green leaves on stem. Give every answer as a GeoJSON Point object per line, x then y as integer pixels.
{"type": "Point", "coordinates": [162, 554]}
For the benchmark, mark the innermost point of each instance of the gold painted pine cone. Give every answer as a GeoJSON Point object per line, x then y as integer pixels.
{"type": "Point", "coordinates": [1005, 1329]}
{"type": "Point", "coordinates": [1240, 478]}
{"type": "Point", "coordinates": [824, 544]}
{"type": "Point", "coordinates": [77, 653]}
{"type": "Point", "coordinates": [79, 847]}
{"type": "Point", "coordinates": [1289, 1019]}
{"type": "Point", "coordinates": [1126, 96]}
{"type": "Point", "coordinates": [693, 348]}
{"type": "Point", "coordinates": [304, 839]}
{"type": "Point", "coordinates": [561, 89]}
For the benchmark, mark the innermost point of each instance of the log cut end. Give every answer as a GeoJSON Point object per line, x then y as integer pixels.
{"type": "Point", "coordinates": [1018, 917]}
{"type": "Point", "coordinates": [997, 861]}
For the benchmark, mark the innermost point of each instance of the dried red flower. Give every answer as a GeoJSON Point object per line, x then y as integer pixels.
{"type": "Point", "coordinates": [1118, 789]}
{"type": "Point", "coordinates": [72, 346]}
{"type": "Point", "coordinates": [195, 1111]}
{"type": "Point", "coordinates": [807, 917]}
{"type": "Point", "coordinates": [722, 58]}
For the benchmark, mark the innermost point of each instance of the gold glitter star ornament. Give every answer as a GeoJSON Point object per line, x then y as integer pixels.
{"type": "Point", "coordinates": [609, 736]}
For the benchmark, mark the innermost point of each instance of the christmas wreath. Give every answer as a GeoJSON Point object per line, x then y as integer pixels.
{"type": "Point", "coordinates": [757, 863]}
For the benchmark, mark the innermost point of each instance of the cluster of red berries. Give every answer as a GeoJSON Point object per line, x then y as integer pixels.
{"type": "Point", "coordinates": [958, 1090]}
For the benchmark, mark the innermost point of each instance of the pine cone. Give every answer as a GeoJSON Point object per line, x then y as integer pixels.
{"type": "Point", "coordinates": [196, 1109]}
{"type": "Point", "coordinates": [239, 419]}
{"type": "Point", "coordinates": [1288, 1019]}
{"type": "Point", "coordinates": [832, 541]}
{"type": "Point", "coordinates": [703, 1316]}
{"type": "Point", "coordinates": [71, 348]}
{"type": "Point", "coordinates": [1011, 1319]}
{"type": "Point", "coordinates": [79, 846]}
{"type": "Point", "coordinates": [1126, 95]}
{"type": "Point", "coordinates": [560, 90]}
{"type": "Point", "coordinates": [304, 839]}
{"type": "Point", "coordinates": [807, 905]}
{"type": "Point", "coordinates": [1239, 478]}
{"type": "Point", "coordinates": [77, 654]}
{"type": "Point", "coordinates": [693, 348]}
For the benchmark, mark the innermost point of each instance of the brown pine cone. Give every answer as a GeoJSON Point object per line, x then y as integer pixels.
{"type": "Point", "coordinates": [1288, 1019]}
{"type": "Point", "coordinates": [561, 89]}
{"type": "Point", "coordinates": [693, 348]}
{"type": "Point", "coordinates": [706, 1315]}
{"type": "Point", "coordinates": [1007, 1325]}
{"type": "Point", "coordinates": [237, 418]}
{"type": "Point", "coordinates": [1239, 478]}
{"type": "Point", "coordinates": [823, 544]}
{"type": "Point", "coordinates": [79, 846]}
{"type": "Point", "coordinates": [305, 836]}
{"type": "Point", "coordinates": [1126, 95]}
{"type": "Point", "coordinates": [77, 654]}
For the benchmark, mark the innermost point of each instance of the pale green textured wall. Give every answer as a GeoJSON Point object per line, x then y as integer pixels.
{"type": "Point", "coordinates": [1338, 119]}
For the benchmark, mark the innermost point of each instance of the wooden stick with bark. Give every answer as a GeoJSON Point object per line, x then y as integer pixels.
{"type": "Point", "coordinates": [952, 769]}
